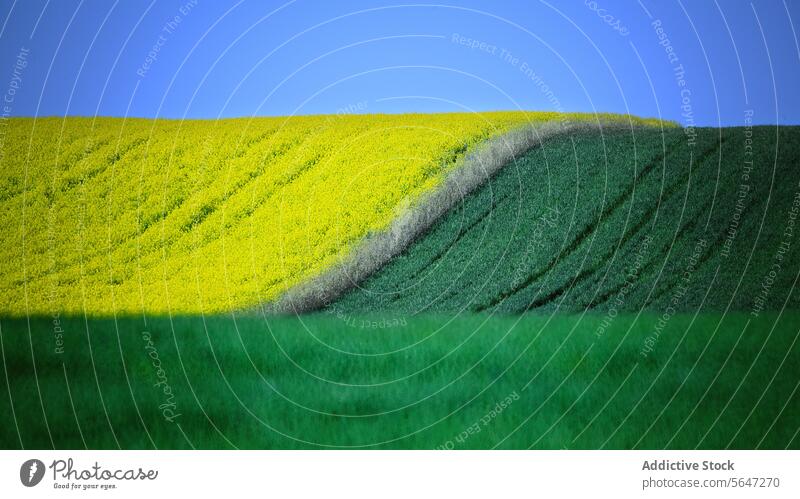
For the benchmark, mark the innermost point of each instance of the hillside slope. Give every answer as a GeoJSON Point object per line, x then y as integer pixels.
{"type": "Point", "coordinates": [105, 216]}
{"type": "Point", "coordinates": [613, 222]}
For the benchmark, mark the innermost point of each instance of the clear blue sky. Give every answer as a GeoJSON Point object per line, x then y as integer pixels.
{"type": "Point", "coordinates": [221, 59]}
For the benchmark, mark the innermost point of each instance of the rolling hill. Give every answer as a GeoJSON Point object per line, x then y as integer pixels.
{"type": "Point", "coordinates": [484, 282]}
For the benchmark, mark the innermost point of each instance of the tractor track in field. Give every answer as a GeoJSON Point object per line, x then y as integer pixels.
{"type": "Point", "coordinates": [580, 237]}
{"type": "Point", "coordinates": [628, 235]}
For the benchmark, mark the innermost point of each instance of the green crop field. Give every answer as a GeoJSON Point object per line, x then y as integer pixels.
{"type": "Point", "coordinates": [619, 288]}
{"type": "Point", "coordinates": [619, 222]}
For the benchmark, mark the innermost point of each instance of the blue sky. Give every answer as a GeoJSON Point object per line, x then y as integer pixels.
{"type": "Point", "coordinates": [221, 59]}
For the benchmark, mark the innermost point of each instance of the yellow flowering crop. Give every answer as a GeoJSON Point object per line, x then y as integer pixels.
{"type": "Point", "coordinates": [104, 216]}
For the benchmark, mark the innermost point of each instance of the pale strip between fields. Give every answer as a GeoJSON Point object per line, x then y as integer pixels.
{"type": "Point", "coordinates": [378, 248]}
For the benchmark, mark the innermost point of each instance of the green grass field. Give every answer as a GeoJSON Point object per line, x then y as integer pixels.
{"type": "Point", "coordinates": [472, 381]}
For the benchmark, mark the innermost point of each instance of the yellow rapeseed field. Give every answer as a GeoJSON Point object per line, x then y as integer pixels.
{"type": "Point", "coordinates": [110, 216]}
